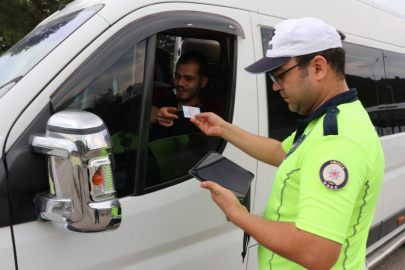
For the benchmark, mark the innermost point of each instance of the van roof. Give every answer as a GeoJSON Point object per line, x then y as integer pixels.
{"type": "Point", "coordinates": [115, 9]}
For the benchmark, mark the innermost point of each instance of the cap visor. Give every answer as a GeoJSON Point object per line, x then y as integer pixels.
{"type": "Point", "coordinates": [267, 64]}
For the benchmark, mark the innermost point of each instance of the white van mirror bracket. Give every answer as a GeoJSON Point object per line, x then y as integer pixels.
{"type": "Point", "coordinates": [82, 196]}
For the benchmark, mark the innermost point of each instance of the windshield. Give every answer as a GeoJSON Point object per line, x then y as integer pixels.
{"type": "Point", "coordinates": [27, 53]}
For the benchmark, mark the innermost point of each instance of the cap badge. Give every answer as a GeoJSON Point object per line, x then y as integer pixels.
{"type": "Point", "coordinates": [334, 175]}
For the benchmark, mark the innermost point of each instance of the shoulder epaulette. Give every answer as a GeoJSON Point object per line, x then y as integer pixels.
{"type": "Point", "coordinates": [330, 124]}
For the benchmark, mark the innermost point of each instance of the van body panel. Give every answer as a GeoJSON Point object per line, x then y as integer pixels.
{"type": "Point", "coordinates": [265, 172]}
{"type": "Point", "coordinates": [388, 25]}
{"type": "Point", "coordinates": [252, 258]}
{"type": "Point", "coordinates": [364, 42]}
{"type": "Point", "coordinates": [394, 7]}
{"type": "Point", "coordinates": [374, 234]}
{"type": "Point", "coordinates": [113, 10]}
{"type": "Point", "coordinates": [393, 48]}
{"type": "Point", "coordinates": [6, 244]}
{"type": "Point", "coordinates": [35, 168]}
{"type": "Point", "coordinates": [368, 2]}
{"type": "Point", "coordinates": [257, 208]}
{"type": "Point", "coordinates": [385, 239]}
{"type": "Point", "coordinates": [394, 174]}
{"type": "Point", "coordinates": [331, 12]}
{"type": "Point", "coordinates": [159, 229]}
{"type": "Point", "coordinates": [26, 90]}
{"type": "Point", "coordinates": [4, 197]}
{"type": "Point", "coordinates": [174, 228]}
{"type": "Point", "coordinates": [6, 249]}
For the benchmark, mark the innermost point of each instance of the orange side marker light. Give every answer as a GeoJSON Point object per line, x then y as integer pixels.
{"type": "Point", "coordinates": [97, 178]}
{"type": "Point", "coordinates": [401, 220]}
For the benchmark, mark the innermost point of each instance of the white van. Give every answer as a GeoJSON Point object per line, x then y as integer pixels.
{"type": "Point", "coordinates": [75, 141]}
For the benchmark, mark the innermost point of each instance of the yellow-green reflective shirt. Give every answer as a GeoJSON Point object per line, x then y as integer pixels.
{"type": "Point", "coordinates": [329, 186]}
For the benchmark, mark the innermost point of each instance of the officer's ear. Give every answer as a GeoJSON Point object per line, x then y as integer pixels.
{"type": "Point", "coordinates": [204, 81]}
{"type": "Point", "coordinates": [320, 67]}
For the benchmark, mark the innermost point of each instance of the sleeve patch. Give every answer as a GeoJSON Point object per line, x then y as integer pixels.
{"type": "Point", "coordinates": [334, 175]}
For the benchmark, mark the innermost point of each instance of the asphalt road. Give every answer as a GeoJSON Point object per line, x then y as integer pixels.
{"type": "Point", "coordinates": [395, 261]}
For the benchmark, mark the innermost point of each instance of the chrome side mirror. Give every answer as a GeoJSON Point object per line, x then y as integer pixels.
{"type": "Point", "coordinates": [82, 195]}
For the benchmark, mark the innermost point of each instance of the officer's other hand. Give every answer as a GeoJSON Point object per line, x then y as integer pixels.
{"type": "Point", "coordinates": [166, 115]}
{"type": "Point", "coordinates": [225, 199]}
{"type": "Point", "coordinates": [209, 123]}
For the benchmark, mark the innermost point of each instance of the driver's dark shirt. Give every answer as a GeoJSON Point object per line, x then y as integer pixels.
{"type": "Point", "coordinates": [181, 125]}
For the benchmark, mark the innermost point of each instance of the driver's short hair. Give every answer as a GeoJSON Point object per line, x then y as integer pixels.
{"type": "Point", "coordinates": [195, 57]}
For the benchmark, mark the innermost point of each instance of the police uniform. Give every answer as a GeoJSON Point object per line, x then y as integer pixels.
{"type": "Point", "coordinates": [330, 180]}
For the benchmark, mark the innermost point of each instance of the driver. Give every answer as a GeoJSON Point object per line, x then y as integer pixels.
{"type": "Point", "coordinates": [167, 116]}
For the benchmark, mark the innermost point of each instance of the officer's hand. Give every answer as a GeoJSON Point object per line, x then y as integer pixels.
{"type": "Point", "coordinates": [209, 123]}
{"type": "Point", "coordinates": [225, 199]}
{"type": "Point", "coordinates": [166, 115]}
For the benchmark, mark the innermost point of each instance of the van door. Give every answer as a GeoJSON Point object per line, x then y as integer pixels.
{"type": "Point", "coordinates": [273, 120]}
{"type": "Point", "coordinates": [168, 221]}
{"type": "Point", "coordinates": [6, 244]}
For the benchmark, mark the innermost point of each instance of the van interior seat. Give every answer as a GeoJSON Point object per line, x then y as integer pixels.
{"type": "Point", "coordinates": [214, 93]}
{"type": "Point", "coordinates": [211, 49]}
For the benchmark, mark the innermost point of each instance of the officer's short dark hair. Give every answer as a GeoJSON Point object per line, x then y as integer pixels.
{"type": "Point", "coordinates": [335, 57]}
{"type": "Point", "coordinates": [195, 57]}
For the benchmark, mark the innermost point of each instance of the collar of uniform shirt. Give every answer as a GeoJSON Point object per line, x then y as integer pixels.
{"type": "Point", "coordinates": [345, 97]}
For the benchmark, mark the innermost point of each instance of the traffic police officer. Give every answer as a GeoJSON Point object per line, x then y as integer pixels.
{"type": "Point", "coordinates": [330, 169]}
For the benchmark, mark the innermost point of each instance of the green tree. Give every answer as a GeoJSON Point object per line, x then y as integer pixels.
{"type": "Point", "coordinates": [19, 17]}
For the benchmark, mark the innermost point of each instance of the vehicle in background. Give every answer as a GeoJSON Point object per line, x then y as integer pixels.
{"type": "Point", "coordinates": [388, 119]}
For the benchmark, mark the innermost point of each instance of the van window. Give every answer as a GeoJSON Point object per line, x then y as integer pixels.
{"type": "Point", "coordinates": [23, 56]}
{"type": "Point", "coordinates": [395, 69]}
{"type": "Point", "coordinates": [125, 88]}
{"type": "Point", "coordinates": [176, 149]}
{"type": "Point", "coordinates": [115, 96]}
{"type": "Point", "coordinates": [389, 117]}
{"type": "Point", "coordinates": [365, 71]}
{"type": "Point", "coordinates": [378, 77]}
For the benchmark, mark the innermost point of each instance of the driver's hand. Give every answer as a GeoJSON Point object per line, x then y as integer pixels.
{"type": "Point", "coordinates": [166, 115]}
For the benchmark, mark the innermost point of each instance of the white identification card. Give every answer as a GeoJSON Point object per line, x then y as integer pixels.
{"type": "Point", "coordinates": [190, 112]}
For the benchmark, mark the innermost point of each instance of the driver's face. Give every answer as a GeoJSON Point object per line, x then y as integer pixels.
{"type": "Point", "coordinates": [187, 81]}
